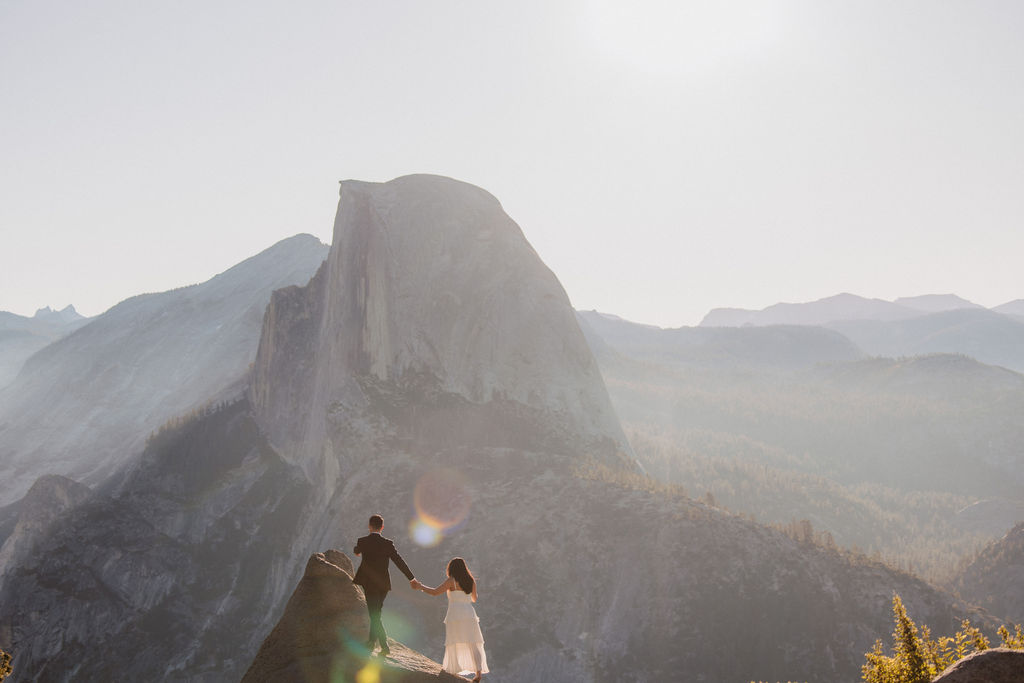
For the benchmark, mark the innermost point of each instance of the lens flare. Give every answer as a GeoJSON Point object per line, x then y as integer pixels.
{"type": "Point", "coordinates": [442, 498]}
{"type": "Point", "coordinates": [424, 534]}
{"type": "Point", "coordinates": [369, 673]}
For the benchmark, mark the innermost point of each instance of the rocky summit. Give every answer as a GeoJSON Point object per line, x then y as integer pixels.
{"type": "Point", "coordinates": [434, 304]}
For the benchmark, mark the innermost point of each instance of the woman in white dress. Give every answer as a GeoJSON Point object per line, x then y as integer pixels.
{"type": "Point", "coordinates": [463, 641]}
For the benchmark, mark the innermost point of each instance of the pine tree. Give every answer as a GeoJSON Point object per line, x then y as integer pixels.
{"type": "Point", "coordinates": [918, 658]}
{"type": "Point", "coordinates": [908, 663]}
{"type": "Point", "coordinates": [908, 645]}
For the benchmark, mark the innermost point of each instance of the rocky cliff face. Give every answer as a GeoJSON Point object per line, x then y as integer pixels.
{"type": "Point", "coordinates": [432, 292]}
{"type": "Point", "coordinates": [36, 514]}
{"type": "Point", "coordinates": [84, 404]}
{"type": "Point", "coordinates": [172, 572]}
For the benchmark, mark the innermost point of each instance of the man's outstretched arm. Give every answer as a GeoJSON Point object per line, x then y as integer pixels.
{"type": "Point", "coordinates": [402, 566]}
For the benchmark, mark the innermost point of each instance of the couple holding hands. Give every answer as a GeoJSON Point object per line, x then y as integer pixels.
{"type": "Point", "coordinates": [463, 642]}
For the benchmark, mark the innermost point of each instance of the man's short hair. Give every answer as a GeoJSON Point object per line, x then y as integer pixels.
{"type": "Point", "coordinates": [376, 522]}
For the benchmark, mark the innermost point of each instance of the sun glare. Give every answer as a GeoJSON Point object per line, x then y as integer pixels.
{"type": "Point", "coordinates": [679, 38]}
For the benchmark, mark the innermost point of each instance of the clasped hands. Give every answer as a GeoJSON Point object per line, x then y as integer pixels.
{"type": "Point", "coordinates": [415, 585]}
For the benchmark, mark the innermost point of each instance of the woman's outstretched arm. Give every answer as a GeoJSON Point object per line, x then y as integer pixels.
{"type": "Point", "coordinates": [444, 587]}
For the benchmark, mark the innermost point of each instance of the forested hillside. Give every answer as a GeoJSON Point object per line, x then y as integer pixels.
{"type": "Point", "coordinates": [913, 460]}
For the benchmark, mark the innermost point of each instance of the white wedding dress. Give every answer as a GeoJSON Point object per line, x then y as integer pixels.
{"type": "Point", "coordinates": [463, 641]}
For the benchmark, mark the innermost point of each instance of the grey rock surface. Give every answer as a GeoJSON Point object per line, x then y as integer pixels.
{"type": "Point", "coordinates": [431, 288]}
{"type": "Point", "coordinates": [37, 513]}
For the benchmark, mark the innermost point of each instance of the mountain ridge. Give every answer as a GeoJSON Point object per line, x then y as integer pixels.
{"type": "Point", "coordinates": [150, 358]}
{"type": "Point", "coordinates": [847, 307]}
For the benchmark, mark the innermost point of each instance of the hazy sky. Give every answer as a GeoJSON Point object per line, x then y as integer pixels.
{"type": "Point", "coordinates": [663, 158]}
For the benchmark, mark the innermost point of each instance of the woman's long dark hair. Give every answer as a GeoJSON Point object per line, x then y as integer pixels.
{"type": "Point", "coordinates": [458, 570]}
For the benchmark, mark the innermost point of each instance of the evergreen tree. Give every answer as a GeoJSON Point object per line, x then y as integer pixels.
{"type": "Point", "coordinates": [918, 658]}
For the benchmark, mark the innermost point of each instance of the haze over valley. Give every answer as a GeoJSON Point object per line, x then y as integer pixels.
{"type": "Point", "coordinates": [777, 482]}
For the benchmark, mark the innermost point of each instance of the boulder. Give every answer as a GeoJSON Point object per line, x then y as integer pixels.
{"type": "Point", "coordinates": [998, 665]}
{"type": "Point", "coordinates": [319, 637]}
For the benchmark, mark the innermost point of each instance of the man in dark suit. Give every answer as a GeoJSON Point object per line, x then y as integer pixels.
{"type": "Point", "coordinates": [376, 551]}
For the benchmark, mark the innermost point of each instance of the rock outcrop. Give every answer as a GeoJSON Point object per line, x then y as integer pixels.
{"type": "Point", "coordinates": [36, 514]}
{"type": "Point", "coordinates": [999, 665]}
{"type": "Point", "coordinates": [319, 636]}
{"type": "Point", "coordinates": [432, 292]}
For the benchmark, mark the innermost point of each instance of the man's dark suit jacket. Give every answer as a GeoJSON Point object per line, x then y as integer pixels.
{"type": "Point", "coordinates": [373, 574]}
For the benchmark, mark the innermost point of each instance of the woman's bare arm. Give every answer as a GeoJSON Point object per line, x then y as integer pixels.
{"type": "Point", "coordinates": [444, 587]}
{"type": "Point", "coordinates": [475, 584]}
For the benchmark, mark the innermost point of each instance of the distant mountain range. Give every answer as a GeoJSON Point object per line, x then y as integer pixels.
{"type": "Point", "coordinates": [984, 335]}
{"type": "Point", "coordinates": [21, 336]}
{"type": "Point", "coordinates": [843, 307]}
{"type": "Point", "coordinates": [782, 346]}
{"type": "Point", "coordinates": [1015, 308]}
{"type": "Point", "coordinates": [908, 326]}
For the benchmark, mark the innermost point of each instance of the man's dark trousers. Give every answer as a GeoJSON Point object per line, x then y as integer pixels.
{"type": "Point", "coordinates": [374, 604]}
